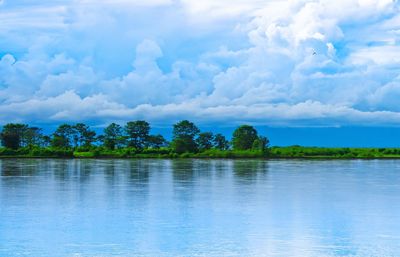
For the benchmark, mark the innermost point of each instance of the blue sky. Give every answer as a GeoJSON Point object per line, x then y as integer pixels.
{"type": "Point", "coordinates": [217, 62]}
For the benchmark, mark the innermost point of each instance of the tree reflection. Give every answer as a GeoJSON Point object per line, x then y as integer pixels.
{"type": "Point", "coordinates": [61, 169]}
{"type": "Point", "coordinates": [182, 170]}
{"type": "Point", "coordinates": [18, 168]}
{"type": "Point", "coordinates": [204, 168]}
{"type": "Point", "coordinates": [249, 170]}
{"type": "Point", "coordinates": [84, 168]}
{"type": "Point", "coordinates": [139, 172]}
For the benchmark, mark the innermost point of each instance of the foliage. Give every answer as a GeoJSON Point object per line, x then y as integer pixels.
{"type": "Point", "coordinates": [112, 136]}
{"type": "Point", "coordinates": [86, 154]}
{"type": "Point", "coordinates": [244, 137]}
{"type": "Point", "coordinates": [137, 133]}
{"type": "Point", "coordinates": [131, 141]}
{"type": "Point", "coordinates": [185, 129]}
{"type": "Point", "coordinates": [83, 135]}
{"type": "Point", "coordinates": [156, 141]}
{"type": "Point", "coordinates": [63, 136]}
{"type": "Point", "coordinates": [333, 153]}
{"type": "Point", "coordinates": [205, 141]}
{"type": "Point", "coordinates": [261, 143]}
{"type": "Point", "coordinates": [184, 133]}
{"type": "Point", "coordinates": [184, 144]}
{"type": "Point", "coordinates": [220, 142]}
{"type": "Point", "coordinates": [15, 136]}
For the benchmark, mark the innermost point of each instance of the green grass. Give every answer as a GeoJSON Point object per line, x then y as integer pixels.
{"type": "Point", "coordinates": [334, 153]}
{"type": "Point", "coordinates": [164, 153]}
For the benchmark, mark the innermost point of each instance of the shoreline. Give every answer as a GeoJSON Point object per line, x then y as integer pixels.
{"type": "Point", "coordinates": [278, 153]}
{"type": "Point", "coordinates": [322, 158]}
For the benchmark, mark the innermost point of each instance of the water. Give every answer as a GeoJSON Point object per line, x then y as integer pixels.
{"type": "Point", "coordinates": [156, 208]}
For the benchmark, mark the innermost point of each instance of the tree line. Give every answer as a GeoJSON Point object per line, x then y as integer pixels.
{"type": "Point", "coordinates": [186, 138]}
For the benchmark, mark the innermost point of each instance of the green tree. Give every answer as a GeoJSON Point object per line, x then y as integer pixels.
{"type": "Point", "coordinates": [156, 141]}
{"type": "Point", "coordinates": [63, 136]}
{"type": "Point", "coordinates": [45, 141]}
{"type": "Point", "coordinates": [83, 135]}
{"type": "Point", "coordinates": [220, 142]}
{"type": "Point", "coordinates": [184, 145]}
{"type": "Point", "coordinates": [33, 136]}
{"type": "Point", "coordinates": [12, 135]}
{"type": "Point", "coordinates": [112, 136]}
{"type": "Point", "coordinates": [261, 143]}
{"type": "Point", "coordinates": [205, 141]}
{"type": "Point", "coordinates": [137, 133]}
{"type": "Point", "coordinates": [185, 128]}
{"type": "Point", "coordinates": [244, 137]}
{"type": "Point", "coordinates": [183, 134]}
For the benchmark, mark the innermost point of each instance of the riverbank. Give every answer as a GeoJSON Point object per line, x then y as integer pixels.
{"type": "Point", "coordinates": [292, 152]}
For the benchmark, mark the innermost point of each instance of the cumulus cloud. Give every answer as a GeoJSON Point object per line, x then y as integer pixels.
{"type": "Point", "coordinates": [313, 62]}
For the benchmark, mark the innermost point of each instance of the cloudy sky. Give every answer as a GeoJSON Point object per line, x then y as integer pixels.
{"type": "Point", "coordinates": [266, 62]}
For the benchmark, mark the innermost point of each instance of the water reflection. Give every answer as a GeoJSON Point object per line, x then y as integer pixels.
{"type": "Point", "coordinates": [139, 172]}
{"type": "Point", "coordinates": [199, 208]}
{"type": "Point", "coordinates": [183, 170]}
{"type": "Point", "coordinates": [15, 168]}
{"type": "Point", "coordinates": [248, 171]}
{"type": "Point", "coordinates": [63, 169]}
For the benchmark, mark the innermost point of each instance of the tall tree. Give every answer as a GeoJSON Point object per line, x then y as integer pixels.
{"type": "Point", "coordinates": [83, 135]}
{"type": "Point", "coordinates": [63, 136]}
{"type": "Point", "coordinates": [185, 128]}
{"type": "Point", "coordinates": [137, 133]}
{"type": "Point", "coordinates": [184, 133]}
{"type": "Point", "coordinates": [261, 143]}
{"type": "Point", "coordinates": [220, 142]}
{"type": "Point", "coordinates": [244, 137]}
{"type": "Point", "coordinates": [112, 136]}
{"type": "Point", "coordinates": [45, 141]}
{"type": "Point", "coordinates": [12, 135]}
{"type": "Point", "coordinates": [156, 141]}
{"type": "Point", "coordinates": [205, 141]}
{"type": "Point", "coordinates": [33, 136]}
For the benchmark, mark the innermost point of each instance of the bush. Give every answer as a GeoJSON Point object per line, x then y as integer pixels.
{"type": "Point", "coordinates": [7, 152]}
{"type": "Point", "coordinates": [156, 151]}
{"type": "Point", "coordinates": [84, 154]}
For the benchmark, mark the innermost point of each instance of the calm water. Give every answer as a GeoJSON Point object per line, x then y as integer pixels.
{"type": "Point", "coordinates": [199, 208]}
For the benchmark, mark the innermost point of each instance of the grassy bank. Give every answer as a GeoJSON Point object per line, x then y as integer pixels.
{"type": "Point", "coordinates": [334, 153]}
{"type": "Point", "coordinates": [99, 152]}
{"type": "Point", "coordinates": [273, 153]}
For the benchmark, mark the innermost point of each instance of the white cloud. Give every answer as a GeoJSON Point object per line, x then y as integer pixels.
{"type": "Point", "coordinates": [125, 3]}
{"type": "Point", "coordinates": [222, 8]}
{"type": "Point", "coordinates": [313, 62]}
{"type": "Point", "coordinates": [378, 55]}
{"type": "Point", "coordinates": [70, 107]}
{"type": "Point", "coordinates": [47, 17]}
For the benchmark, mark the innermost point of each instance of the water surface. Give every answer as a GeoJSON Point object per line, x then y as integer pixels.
{"type": "Point", "coordinates": [91, 208]}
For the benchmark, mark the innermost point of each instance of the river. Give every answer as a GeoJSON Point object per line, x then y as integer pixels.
{"type": "Point", "coordinates": [157, 208]}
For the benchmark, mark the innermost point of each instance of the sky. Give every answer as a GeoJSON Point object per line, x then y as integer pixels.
{"type": "Point", "coordinates": [275, 63]}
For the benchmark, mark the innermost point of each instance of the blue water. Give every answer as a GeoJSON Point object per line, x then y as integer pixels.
{"type": "Point", "coordinates": [159, 208]}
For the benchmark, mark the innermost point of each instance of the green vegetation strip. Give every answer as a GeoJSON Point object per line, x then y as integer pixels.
{"type": "Point", "coordinates": [292, 152]}
{"type": "Point", "coordinates": [133, 140]}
